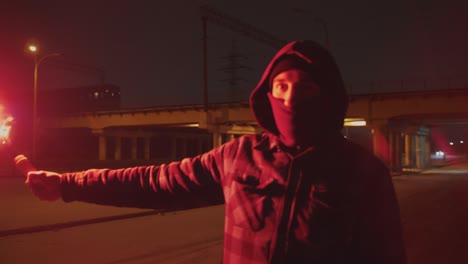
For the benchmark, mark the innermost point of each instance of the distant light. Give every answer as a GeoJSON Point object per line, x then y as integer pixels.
{"type": "Point", "coordinates": [191, 125]}
{"type": "Point", "coordinates": [461, 141]}
{"type": "Point", "coordinates": [354, 122]}
{"type": "Point", "coordinates": [451, 143]}
{"type": "Point", "coordinates": [440, 153]}
{"type": "Point", "coordinates": [32, 48]}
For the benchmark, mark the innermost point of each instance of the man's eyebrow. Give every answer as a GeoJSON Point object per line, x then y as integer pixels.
{"type": "Point", "coordinates": [279, 80]}
{"type": "Point", "coordinates": [300, 81]}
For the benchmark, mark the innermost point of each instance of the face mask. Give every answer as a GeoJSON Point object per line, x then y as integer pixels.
{"type": "Point", "coordinates": [299, 125]}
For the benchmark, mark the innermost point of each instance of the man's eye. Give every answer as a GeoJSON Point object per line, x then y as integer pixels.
{"type": "Point", "coordinates": [282, 86]}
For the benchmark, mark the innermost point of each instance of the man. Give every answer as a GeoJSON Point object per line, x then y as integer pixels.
{"type": "Point", "coordinates": [298, 193]}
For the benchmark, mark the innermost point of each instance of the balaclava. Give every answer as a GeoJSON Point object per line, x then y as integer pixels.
{"type": "Point", "coordinates": [294, 123]}
{"type": "Point", "coordinates": [308, 123]}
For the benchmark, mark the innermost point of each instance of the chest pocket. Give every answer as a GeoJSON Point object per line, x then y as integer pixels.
{"type": "Point", "coordinates": [251, 198]}
{"type": "Point", "coordinates": [324, 217]}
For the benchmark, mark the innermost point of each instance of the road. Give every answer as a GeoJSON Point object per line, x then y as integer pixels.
{"type": "Point", "coordinates": [434, 207]}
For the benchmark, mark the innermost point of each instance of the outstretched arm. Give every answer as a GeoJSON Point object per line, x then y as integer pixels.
{"type": "Point", "coordinates": [189, 183]}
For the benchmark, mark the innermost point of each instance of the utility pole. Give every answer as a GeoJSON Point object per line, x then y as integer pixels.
{"type": "Point", "coordinates": [210, 14]}
{"type": "Point", "coordinates": [232, 68]}
{"type": "Point", "coordinates": [34, 50]}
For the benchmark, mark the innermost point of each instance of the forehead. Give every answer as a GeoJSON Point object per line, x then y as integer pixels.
{"type": "Point", "coordinates": [293, 75]}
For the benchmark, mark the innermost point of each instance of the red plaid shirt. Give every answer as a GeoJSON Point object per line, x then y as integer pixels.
{"type": "Point", "coordinates": [329, 205]}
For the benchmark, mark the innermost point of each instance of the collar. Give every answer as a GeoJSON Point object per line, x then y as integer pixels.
{"type": "Point", "coordinates": [268, 142]}
{"type": "Point", "coordinates": [271, 143]}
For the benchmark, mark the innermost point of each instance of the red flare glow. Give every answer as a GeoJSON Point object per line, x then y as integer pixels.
{"type": "Point", "coordinates": [5, 126]}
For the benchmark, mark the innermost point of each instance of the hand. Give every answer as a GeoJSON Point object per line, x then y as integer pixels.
{"type": "Point", "coordinates": [44, 184]}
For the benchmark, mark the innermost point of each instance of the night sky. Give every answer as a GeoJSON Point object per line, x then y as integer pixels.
{"type": "Point", "coordinates": [153, 49]}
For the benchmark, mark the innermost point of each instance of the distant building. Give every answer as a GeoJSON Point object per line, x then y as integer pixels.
{"type": "Point", "coordinates": [79, 99]}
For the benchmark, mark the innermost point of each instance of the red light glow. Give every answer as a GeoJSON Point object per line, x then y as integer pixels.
{"type": "Point", "coordinates": [381, 146]}
{"type": "Point", "coordinates": [5, 126]}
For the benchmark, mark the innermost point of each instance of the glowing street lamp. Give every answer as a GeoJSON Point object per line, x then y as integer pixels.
{"type": "Point", "coordinates": [22, 163]}
{"type": "Point", "coordinates": [34, 50]}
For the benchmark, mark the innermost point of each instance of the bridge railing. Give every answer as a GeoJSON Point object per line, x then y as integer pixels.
{"type": "Point", "coordinates": [385, 86]}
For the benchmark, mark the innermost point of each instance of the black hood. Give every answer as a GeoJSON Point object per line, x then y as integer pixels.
{"type": "Point", "coordinates": [326, 74]}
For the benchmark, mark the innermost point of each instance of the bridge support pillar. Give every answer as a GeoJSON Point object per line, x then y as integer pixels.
{"type": "Point", "coordinates": [182, 147]}
{"type": "Point", "coordinates": [102, 141]}
{"type": "Point", "coordinates": [387, 146]}
{"type": "Point", "coordinates": [230, 137]}
{"type": "Point", "coordinates": [173, 154]}
{"type": "Point", "coordinates": [102, 147]}
{"type": "Point", "coordinates": [395, 150]}
{"type": "Point", "coordinates": [423, 151]}
{"type": "Point", "coordinates": [118, 148]}
{"type": "Point", "coordinates": [428, 153]}
{"type": "Point", "coordinates": [417, 148]}
{"type": "Point", "coordinates": [146, 151]}
{"type": "Point", "coordinates": [217, 138]}
{"type": "Point", "coordinates": [408, 154]}
{"type": "Point", "coordinates": [134, 148]}
{"type": "Point", "coordinates": [200, 146]}
{"type": "Point", "coordinates": [418, 151]}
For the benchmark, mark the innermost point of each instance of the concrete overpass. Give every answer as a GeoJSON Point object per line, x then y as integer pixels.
{"type": "Point", "coordinates": [399, 121]}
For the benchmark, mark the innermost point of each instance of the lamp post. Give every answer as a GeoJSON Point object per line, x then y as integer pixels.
{"type": "Point", "coordinates": [37, 61]}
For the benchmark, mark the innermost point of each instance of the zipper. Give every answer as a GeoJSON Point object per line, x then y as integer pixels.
{"type": "Point", "coordinates": [279, 246]}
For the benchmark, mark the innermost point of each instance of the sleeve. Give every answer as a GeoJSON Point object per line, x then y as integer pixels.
{"type": "Point", "coordinates": [378, 237]}
{"type": "Point", "coordinates": [189, 183]}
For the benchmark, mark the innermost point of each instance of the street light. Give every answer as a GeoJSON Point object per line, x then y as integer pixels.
{"type": "Point", "coordinates": [34, 49]}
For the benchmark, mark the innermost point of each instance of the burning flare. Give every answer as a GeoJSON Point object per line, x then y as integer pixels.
{"type": "Point", "coordinates": [22, 163]}
{"type": "Point", "coordinates": [5, 126]}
